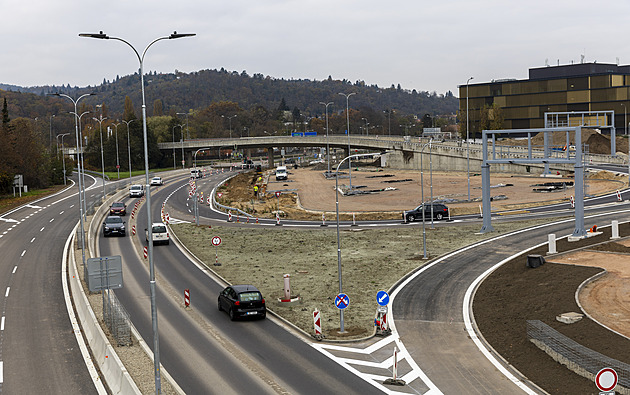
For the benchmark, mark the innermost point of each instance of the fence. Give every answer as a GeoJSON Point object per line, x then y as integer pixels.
{"type": "Point", "coordinates": [576, 357]}
{"type": "Point", "coordinates": [116, 319]}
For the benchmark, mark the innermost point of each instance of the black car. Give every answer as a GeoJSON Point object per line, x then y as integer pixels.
{"type": "Point", "coordinates": [118, 208]}
{"type": "Point", "coordinates": [242, 301]}
{"type": "Point", "coordinates": [113, 225]}
{"type": "Point", "coordinates": [440, 211]}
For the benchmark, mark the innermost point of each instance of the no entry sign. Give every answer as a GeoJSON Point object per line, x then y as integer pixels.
{"type": "Point", "coordinates": [606, 379]}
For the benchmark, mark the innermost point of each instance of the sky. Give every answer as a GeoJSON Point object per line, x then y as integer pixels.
{"type": "Point", "coordinates": [422, 45]}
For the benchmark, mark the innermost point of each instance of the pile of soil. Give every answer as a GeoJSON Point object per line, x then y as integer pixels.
{"type": "Point", "coordinates": [542, 294]}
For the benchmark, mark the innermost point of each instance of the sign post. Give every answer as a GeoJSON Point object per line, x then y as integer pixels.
{"type": "Point", "coordinates": [216, 241]}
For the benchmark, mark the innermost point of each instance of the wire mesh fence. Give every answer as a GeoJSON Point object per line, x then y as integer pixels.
{"type": "Point", "coordinates": [576, 357]}
{"type": "Point", "coordinates": [116, 319]}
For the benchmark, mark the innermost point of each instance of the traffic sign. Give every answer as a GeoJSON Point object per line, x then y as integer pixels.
{"type": "Point", "coordinates": [216, 240]}
{"type": "Point", "coordinates": [277, 193]}
{"type": "Point", "coordinates": [342, 301]}
{"type": "Point", "coordinates": [219, 194]}
{"type": "Point", "coordinates": [382, 298]}
{"type": "Point", "coordinates": [606, 379]}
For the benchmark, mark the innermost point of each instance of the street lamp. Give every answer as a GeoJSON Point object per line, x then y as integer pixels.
{"type": "Point", "coordinates": [389, 121]}
{"type": "Point", "coordinates": [366, 126]}
{"type": "Point", "coordinates": [100, 120]}
{"type": "Point", "coordinates": [348, 132]}
{"type": "Point", "coordinates": [467, 141]}
{"type": "Point", "coordinates": [327, 144]}
{"type": "Point", "coordinates": [156, 344]}
{"type": "Point", "coordinates": [81, 191]}
{"type": "Point", "coordinates": [187, 130]}
{"type": "Point", "coordinates": [117, 162]}
{"type": "Point", "coordinates": [180, 129]}
{"type": "Point", "coordinates": [230, 119]}
{"type": "Point", "coordinates": [625, 119]}
{"type": "Point", "coordinates": [128, 145]}
{"type": "Point", "coordinates": [63, 156]}
{"type": "Point", "coordinates": [50, 135]}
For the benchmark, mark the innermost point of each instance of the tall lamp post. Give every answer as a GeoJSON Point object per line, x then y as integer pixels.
{"type": "Point", "coordinates": [348, 132]}
{"type": "Point", "coordinates": [229, 119]}
{"type": "Point", "coordinates": [327, 144]}
{"type": "Point", "coordinates": [389, 121]}
{"type": "Point", "coordinates": [101, 35]}
{"type": "Point", "coordinates": [63, 156]}
{"type": "Point", "coordinates": [78, 140]}
{"type": "Point", "coordinates": [50, 134]}
{"type": "Point", "coordinates": [129, 145]}
{"type": "Point", "coordinates": [180, 129]}
{"type": "Point", "coordinates": [117, 159]}
{"type": "Point", "coordinates": [625, 118]}
{"type": "Point", "coordinates": [367, 124]}
{"type": "Point", "coordinates": [187, 130]}
{"type": "Point", "coordinates": [467, 141]}
{"type": "Point", "coordinates": [100, 120]}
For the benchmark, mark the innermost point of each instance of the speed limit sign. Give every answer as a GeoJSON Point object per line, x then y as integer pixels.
{"type": "Point", "coordinates": [216, 240]}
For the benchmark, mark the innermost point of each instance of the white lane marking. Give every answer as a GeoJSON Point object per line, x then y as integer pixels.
{"type": "Point", "coordinates": [51, 220]}
{"type": "Point", "coordinates": [14, 270]}
{"type": "Point", "coordinates": [32, 240]}
{"type": "Point", "coordinates": [42, 228]}
{"type": "Point", "coordinates": [6, 294]}
{"type": "Point", "coordinates": [14, 226]}
{"type": "Point", "coordinates": [61, 212]}
{"type": "Point", "coordinates": [1, 367]}
{"type": "Point", "coordinates": [32, 206]}
{"type": "Point", "coordinates": [8, 220]}
{"type": "Point", "coordinates": [23, 252]}
{"type": "Point", "coordinates": [72, 206]}
{"type": "Point", "coordinates": [2, 324]}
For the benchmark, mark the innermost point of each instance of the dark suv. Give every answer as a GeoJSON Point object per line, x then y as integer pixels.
{"type": "Point", "coordinates": [118, 208]}
{"type": "Point", "coordinates": [440, 211]}
{"type": "Point", "coordinates": [242, 301]}
{"type": "Point", "coordinates": [113, 225]}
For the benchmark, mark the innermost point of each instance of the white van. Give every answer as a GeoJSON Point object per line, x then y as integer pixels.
{"type": "Point", "coordinates": [136, 190]}
{"type": "Point", "coordinates": [196, 173]}
{"type": "Point", "coordinates": [159, 233]}
{"type": "Point", "coordinates": [281, 173]}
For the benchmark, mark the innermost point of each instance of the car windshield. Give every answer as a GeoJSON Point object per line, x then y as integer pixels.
{"type": "Point", "coordinates": [159, 229]}
{"type": "Point", "coordinates": [118, 204]}
{"type": "Point", "coordinates": [156, 178]}
{"type": "Point", "coordinates": [134, 187]}
{"type": "Point", "coordinates": [114, 220]}
{"type": "Point", "coordinates": [249, 296]}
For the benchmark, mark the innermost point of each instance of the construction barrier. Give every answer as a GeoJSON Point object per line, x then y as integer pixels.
{"type": "Point", "coordinates": [187, 297]}
{"type": "Point", "coordinates": [317, 323]}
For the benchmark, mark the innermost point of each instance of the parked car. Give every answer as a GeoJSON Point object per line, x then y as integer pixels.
{"type": "Point", "coordinates": [155, 181]}
{"type": "Point", "coordinates": [159, 234]}
{"type": "Point", "coordinates": [136, 190]}
{"type": "Point", "coordinates": [118, 208]}
{"type": "Point", "coordinates": [242, 301]}
{"type": "Point", "coordinates": [440, 211]}
{"type": "Point", "coordinates": [113, 225]}
{"type": "Point", "coordinates": [281, 173]}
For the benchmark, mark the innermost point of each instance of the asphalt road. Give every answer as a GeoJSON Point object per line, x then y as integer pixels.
{"type": "Point", "coordinates": [201, 348]}
{"type": "Point", "coordinates": [38, 351]}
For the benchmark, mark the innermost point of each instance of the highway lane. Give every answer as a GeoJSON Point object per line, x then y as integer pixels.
{"type": "Point", "coordinates": [427, 311]}
{"type": "Point", "coordinates": [201, 347]}
{"type": "Point", "coordinates": [38, 350]}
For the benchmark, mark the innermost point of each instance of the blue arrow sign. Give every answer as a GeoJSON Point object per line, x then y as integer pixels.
{"type": "Point", "coordinates": [382, 298]}
{"type": "Point", "coordinates": [342, 301]}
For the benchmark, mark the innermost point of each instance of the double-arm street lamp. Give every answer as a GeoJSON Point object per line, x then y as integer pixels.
{"type": "Point", "coordinates": [117, 159]}
{"type": "Point", "coordinates": [467, 141]}
{"type": "Point", "coordinates": [187, 130]}
{"type": "Point", "coordinates": [63, 155]}
{"type": "Point", "coordinates": [100, 120]}
{"type": "Point", "coordinates": [180, 129]}
{"type": "Point", "coordinates": [327, 144]}
{"type": "Point", "coordinates": [175, 35]}
{"type": "Point", "coordinates": [347, 96]}
{"type": "Point", "coordinates": [129, 145]}
{"type": "Point", "coordinates": [229, 119]}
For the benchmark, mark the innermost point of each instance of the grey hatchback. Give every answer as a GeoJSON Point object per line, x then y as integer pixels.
{"type": "Point", "coordinates": [242, 301]}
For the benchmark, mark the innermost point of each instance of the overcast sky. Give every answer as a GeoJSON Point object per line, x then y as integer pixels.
{"type": "Point", "coordinates": [422, 45]}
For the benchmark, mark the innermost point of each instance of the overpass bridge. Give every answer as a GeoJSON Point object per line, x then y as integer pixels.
{"type": "Point", "coordinates": [403, 152]}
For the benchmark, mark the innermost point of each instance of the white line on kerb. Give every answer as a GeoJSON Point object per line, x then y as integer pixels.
{"type": "Point", "coordinates": [2, 324]}
{"type": "Point", "coordinates": [6, 294]}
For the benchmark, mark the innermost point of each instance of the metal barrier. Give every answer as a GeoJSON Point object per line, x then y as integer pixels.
{"type": "Point", "coordinates": [117, 319]}
{"type": "Point", "coordinates": [575, 356]}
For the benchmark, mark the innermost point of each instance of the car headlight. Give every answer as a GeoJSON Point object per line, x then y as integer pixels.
{"type": "Point", "coordinates": [107, 228]}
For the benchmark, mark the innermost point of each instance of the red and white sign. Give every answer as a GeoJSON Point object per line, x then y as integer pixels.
{"type": "Point", "coordinates": [208, 201]}
{"type": "Point", "coordinates": [606, 379]}
{"type": "Point", "coordinates": [317, 323]}
{"type": "Point", "coordinates": [146, 252]}
{"type": "Point", "coordinates": [278, 193]}
{"type": "Point", "coordinates": [133, 230]}
{"type": "Point", "coordinates": [220, 195]}
{"type": "Point", "coordinates": [619, 196]}
{"type": "Point", "coordinates": [216, 240]}
{"type": "Point", "coordinates": [572, 202]}
{"type": "Point", "coordinates": [187, 297]}
{"type": "Point", "coordinates": [229, 216]}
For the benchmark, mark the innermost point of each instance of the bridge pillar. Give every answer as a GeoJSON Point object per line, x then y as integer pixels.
{"type": "Point", "coordinates": [270, 157]}
{"type": "Point", "coordinates": [189, 158]}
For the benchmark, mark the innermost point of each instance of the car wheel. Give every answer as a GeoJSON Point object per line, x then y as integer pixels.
{"type": "Point", "coordinates": [262, 317]}
{"type": "Point", "coordinates": [232, 315]}
{"type": "Point", "coordinates": [219, 305]}
{"type": "Point", "coordinates": [411, 218]}
{"type": "Point", "coordinates": [439, 216]}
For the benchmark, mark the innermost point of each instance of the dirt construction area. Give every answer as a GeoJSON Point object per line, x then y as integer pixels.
{"type": "Point", "coordinates": [374, 259]}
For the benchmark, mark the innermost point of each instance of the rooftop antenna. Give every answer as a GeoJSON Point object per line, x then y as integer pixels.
{"type": "Point", "coordinates": [547, 62]}
{"type": "Point", "coordinates": [617, 60]}
{"type": "Point", "coordinates": [582, 58]}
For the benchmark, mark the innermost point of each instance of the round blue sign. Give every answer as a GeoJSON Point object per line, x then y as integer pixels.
{"type": "Point", "coordinates": [382, 298]}
{"type": "Point", "coordinates": [342, 301]}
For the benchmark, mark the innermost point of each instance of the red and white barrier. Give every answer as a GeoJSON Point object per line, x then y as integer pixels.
{"type": "Point", "coordinates": [323, 219]}
{"type": "Point", "coordinates": [146, 252]}
{"type": "Point", "coordinates": [572, 202]}
{"type": "Point", "coordinates": [277, 218]}
{"type": "Point", "coordinates": [317, 323]}
{"type": "Point", "coordinates": [133, 230]}
{"type": "Point", "coordinates": [187, 297]}
{"type": "Point", "coordinates": [229, 216]}
{"type": "Point", "coordinates": [619, 196]}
